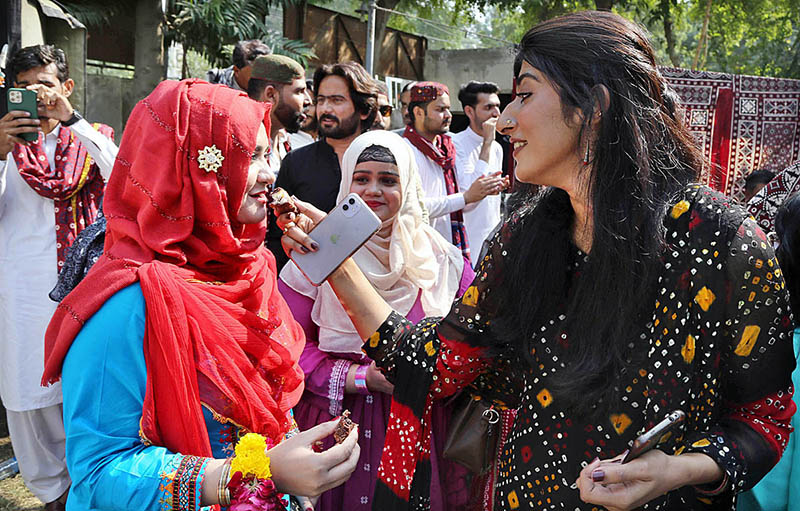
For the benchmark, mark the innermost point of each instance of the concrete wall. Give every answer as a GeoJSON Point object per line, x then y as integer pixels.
{"type": "Point", "coordinates": [73, 42]}
{"type": "Point", "coordinates": [32, 29]}
{"type": "Point", "coordinates": [456, 67]}
{"type": "Point", "coordinates": [110, 100]}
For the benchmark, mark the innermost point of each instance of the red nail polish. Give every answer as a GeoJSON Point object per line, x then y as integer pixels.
{"type": "Point", "coordinates": [598, 475]}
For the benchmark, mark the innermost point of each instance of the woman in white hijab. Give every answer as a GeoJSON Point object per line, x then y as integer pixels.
{"type": "Point", "coordinates": [419, 274]}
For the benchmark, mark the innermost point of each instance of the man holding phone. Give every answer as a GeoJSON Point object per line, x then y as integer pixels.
{"type": "Point", "coordinates": [50, 189]}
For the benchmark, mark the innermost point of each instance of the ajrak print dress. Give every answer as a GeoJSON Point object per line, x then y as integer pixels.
{"type": "Point", "coordinates": [717, 345]}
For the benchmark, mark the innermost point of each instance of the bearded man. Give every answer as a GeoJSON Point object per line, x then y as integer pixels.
{"type": "Point", "coordinates": [280, 81]}
{"type": "Point", "coordinates": [346, 106]}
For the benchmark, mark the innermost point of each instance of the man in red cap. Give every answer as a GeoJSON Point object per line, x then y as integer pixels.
{"type": "Point", "coordinates": [429, 113]}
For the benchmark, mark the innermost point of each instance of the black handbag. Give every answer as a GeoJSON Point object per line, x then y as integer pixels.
{"type": "Point", "coordinates": [472, 434]}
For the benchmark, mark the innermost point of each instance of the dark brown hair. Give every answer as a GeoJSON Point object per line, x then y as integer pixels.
{"type": "Point", "coordinates": [245, 52]}
{"type": "Point", "coordinates": [641, 159]}
{"type": "Point", "coordinates": [39, 55]}
{"type": "Point", "coordinates": [363, 91]}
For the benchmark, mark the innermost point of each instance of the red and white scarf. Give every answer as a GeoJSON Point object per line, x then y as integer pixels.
{"type": "Point", "coordinates": [75, 184]}
{"type": "Point", "coordinates": [444, 155]}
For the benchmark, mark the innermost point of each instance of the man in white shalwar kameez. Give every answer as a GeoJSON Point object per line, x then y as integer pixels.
{"type": "Point", "coordinates": [31, 245]}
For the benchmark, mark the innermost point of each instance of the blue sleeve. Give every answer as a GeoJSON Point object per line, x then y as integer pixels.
{"type": "Point", "coordinates": [104, 377]}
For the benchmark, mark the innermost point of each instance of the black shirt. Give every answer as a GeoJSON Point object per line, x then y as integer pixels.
{"type": "Point", "coordinates": [312, 174]}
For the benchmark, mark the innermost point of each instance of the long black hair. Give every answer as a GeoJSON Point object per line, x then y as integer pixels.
{"type": "Point", "coordinates": [642, 157]}
{"type": "Point", "coordinates": [787, 227]}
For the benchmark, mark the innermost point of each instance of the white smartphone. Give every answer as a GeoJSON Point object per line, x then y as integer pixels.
{"type": "Point", "coordinates": [346, 228]}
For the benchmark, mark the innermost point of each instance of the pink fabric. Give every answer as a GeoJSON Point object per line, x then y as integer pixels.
{"type": "Point", "coordinates": [448, 492]}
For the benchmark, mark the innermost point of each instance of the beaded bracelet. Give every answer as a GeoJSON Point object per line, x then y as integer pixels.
{"type": "Point", "coordinates": [361, 379]}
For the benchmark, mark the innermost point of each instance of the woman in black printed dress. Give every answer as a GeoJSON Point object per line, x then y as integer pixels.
{"type": "Point", "coordinates": [616, 293]}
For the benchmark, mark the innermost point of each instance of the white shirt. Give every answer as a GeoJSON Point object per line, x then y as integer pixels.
{"type": "Point", "coordinates": [300, 139]}
{"type": "Point", "coordinates": [28, 273]}
{"type": "Point", "coordinates": [436, 200]}
{"type": "Point", "coordinates": [278, 151]}
{"type": "Point", "coordinates": [480, 218]}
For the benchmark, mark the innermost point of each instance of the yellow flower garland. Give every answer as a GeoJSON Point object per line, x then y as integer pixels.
{"type": "Point", "coordinates": [251, 457]}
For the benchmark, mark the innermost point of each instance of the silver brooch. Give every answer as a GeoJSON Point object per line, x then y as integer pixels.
{"type": "Point", "coordinates": [210, 158]}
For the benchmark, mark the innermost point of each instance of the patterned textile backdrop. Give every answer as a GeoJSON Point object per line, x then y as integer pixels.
{"type": "Point", "coordinates": [765, 204]}
{"type": "Point", "coordinates": [742, 123]}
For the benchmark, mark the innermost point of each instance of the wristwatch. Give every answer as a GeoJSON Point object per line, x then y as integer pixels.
{"type": "Point", "coordinates": [75, 117]}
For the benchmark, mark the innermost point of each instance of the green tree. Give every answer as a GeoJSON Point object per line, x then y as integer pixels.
{"type": "Point", "coordinates": [211, 27]}
{"type": "Point", "coordinates": [759, 37]}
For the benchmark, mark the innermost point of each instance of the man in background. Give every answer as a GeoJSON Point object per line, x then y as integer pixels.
{"type": "Point", "coordinates": [237, 76]}
{"type": "Point", "coordinates": [435, 154]}
{"type": "Point", "coordinates": [50, 190]}
{"type": "Point", "coordinates": [308, 129]}
{"type": "Point", "coordinates": [280, 81]}
{"type": "Point", "coordinates": [479, 155]}
{"type": "Point", "coordinates": [347, 104]}
{"type": "Point", "coordinates": [405, 99]}
{"type": "Point", "coordinates": [383, 120]}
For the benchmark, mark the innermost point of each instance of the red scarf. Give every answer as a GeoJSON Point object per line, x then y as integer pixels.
{"type": "Point", "coordinates": [217, 331]}
{"type": "Point", "coordinates": [444, 155]}
{"type": "Point", "coordinates": [74, 185]}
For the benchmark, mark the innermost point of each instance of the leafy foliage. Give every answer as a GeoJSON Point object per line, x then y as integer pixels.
{"type": "Point", "coordinates": [212, 27]}
{"type": "Point", "coordinates": [207, 27]}
{"type": "Point", "coordinates": [759, 37]}
{"type": "Point", "coordinates": [94, 14]}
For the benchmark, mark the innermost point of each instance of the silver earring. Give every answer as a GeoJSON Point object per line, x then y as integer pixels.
{"type": "Point", "coordinates": [586, 155]}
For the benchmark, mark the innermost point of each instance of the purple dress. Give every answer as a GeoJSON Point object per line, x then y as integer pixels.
{"type": "Point", "coordinates": [324, 399]}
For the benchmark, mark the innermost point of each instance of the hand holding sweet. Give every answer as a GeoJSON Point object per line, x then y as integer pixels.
{"type": "Point", "coordinates": [298, 470]}
{"type": "Point", "coordinates": [296, 226]}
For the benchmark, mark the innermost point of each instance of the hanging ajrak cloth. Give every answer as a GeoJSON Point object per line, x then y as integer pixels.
{"type": "Point", "coordinates": [764, 205]}
{"type": "Point", "coordinates": [742, 123]}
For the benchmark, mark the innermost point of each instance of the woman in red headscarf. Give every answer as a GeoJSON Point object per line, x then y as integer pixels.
{"type": "Point", "coordinates": [177, 342]}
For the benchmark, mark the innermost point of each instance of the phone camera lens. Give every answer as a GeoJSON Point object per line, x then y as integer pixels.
{"type": "Point", "coordinates": [345, 207]}
{"type": "Point", "coordinates": [352, 201]}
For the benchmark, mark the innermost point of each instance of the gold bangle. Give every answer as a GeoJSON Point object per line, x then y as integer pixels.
{"type": "Point", "coordinates": [223, 495]}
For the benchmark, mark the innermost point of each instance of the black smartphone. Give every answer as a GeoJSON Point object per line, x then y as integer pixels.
{"type": "Point", "coordinates": [25, 100]}
{"type": "Point", "coordinates": [651, 437]}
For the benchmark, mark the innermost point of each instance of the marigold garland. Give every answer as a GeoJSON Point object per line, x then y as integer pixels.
{"type": "Point", "coordinates": [251, 457]}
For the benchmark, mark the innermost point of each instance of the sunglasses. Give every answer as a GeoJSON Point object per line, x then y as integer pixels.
{"type": "Point", "coordinates": [385, 110]}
